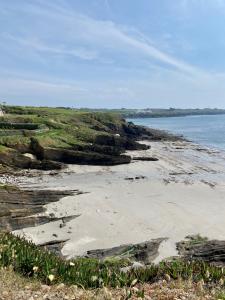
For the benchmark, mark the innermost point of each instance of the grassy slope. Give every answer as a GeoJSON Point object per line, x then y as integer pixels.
{"type": "Point", "coordinates": [21, 258]}
{"type": "Point", "coordinates": [65, 126]}
{"type": "Point", "coordinates": [15, 287]}
{"type": "Point", "coordinates": [57, 128]}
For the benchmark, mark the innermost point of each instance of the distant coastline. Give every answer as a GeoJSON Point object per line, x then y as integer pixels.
{"type": "Point", "coordinates": [158, 112]}
{"type": "Point", "coordinates": [172, 112]}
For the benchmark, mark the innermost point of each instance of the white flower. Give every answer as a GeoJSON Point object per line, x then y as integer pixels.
{"type": "Point", "coordinates": [134, 282]}
{"type": "Point", "coordinates": [167, 277]}
{"type": "Point", "coordinates": [221, 281]}
{"type": "Point", "coordinates": [35, 269]}
{"type": "Point", "coordinates": [94, 278]}
{"type": "Point", "coordinates": [207, 274]}
{"type": "Point", "coordinates": [51, 277]}
{"type": "Point", "coordinates": [72, 264]}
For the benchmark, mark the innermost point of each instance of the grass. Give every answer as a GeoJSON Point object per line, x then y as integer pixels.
{"type": "Point", "coordinates": [28, 260]}
{"type": "Point", "coordinates": [15, 287]}
{"type": "Point", "coordinates": [55, 127]}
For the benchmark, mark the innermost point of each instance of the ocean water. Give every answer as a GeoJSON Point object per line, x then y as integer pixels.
{"type": "Point", "coordinates": [205, 130]}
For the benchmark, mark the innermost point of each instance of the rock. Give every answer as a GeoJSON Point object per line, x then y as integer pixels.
{"type": "Point", "coordinates": [139, 177]}
{"type": "Point", "coordinates": [5, 294]}
{"type": "Point", "coordinates": [18, 207]}
{"type": "Point", "coordinates": [13, 158]}
{"type": "Point", "coordinates": [201, 249]}
{"type": "Point", "coordinates": [54, 246]}
{"type": "Point", "coordinates": [129, 178]}
{"type": "Point", "coordinates": [45, 287]}
{"type": "Point", "coordinates": [144, 252]}
{"type": "Point", "coordinates": [60, 286]}
{"type": "Point", "coordinates": [135, 178]}
{"type": "Point", "coordinates": [145, 158]}
{"type": "Point", "coordinates": [80, 157]}
{"type": "Point", "coordinates": [29, 155]}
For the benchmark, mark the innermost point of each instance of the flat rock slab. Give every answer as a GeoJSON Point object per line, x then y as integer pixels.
{"type": "Point", "coordinates": [22, 208]}
{"type": "Point", "coordinates": [54, 246]}
{"type": "Point", "coordinates": [144, 252]}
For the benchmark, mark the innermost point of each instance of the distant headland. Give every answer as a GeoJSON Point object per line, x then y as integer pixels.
{"type": "Point", "coordinates": [163, 112]}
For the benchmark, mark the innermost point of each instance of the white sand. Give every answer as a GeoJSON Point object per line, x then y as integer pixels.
{"type": "Point", "coordinates": [183, 193]}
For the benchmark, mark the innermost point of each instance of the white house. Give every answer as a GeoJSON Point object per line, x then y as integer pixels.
{"type": "Point", "coordinates": [1, 112]}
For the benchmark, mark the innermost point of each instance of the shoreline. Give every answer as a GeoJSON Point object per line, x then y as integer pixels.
{"type": "Point", "coordinates": [180, 194]}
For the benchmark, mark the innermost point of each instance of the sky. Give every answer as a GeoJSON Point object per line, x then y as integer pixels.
{"type": "Point", "coordinates": [113, 53]}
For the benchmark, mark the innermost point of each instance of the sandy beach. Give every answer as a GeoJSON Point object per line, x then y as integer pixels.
{"type": "Point", "coordinates": [183, 193]}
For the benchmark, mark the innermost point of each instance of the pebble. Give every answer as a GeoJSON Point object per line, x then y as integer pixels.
{"type": "Point", "coordinates": [45, 287]}
{"type": "Point", "coordinates": [60, 286]}
{"type": "Point", "coordinates": [5, 294]}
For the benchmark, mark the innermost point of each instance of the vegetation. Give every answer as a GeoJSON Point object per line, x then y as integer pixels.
{"type": "Point", "coordinates": [159, 112]}
{"type": "Point", "coordinates": [59, 125]}
{"type": "Point", "coordinates": [31, 261]}
{"type": "Point", "coordinates": [16, 287]}
{"type": "Point", "coordinates": [96, 135]}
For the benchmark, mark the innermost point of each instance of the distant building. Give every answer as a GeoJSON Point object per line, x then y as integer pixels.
{"type": "Point", "coordinates": [1, 112]}
{"type": "Point", "coordinates": [144, 111]}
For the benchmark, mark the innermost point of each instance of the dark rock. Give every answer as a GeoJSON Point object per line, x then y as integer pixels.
{"type": "Point", "coordinates": [144, 252]}
{"type": "Point", "coordinates": [139, 177]}
{"type": "Point", "coordinates": [129, 178]}
{"type": "Point", "coordinates": [144, 158]}
{"type": "Point", "coordinates": [13, 158]}
{"type": "Point", "coordinates": [18, 208]}
{"type": "Point", "coordinates": [79, 157]}
{"type": "Point", "coordinates": [135, 178]}
{"type": "Point", "coordinates": [123, 143]}
{"type": "Point", "coordinates": [54, 246]}
{"type": "Point", "coordinates": [201, 249]}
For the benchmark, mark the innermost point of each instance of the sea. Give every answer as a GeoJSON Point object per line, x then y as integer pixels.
{"type": "Point", "coordinates": [207, 130]}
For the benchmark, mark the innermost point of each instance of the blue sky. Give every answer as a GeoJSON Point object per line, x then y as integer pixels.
{"type": "Point", "coordinates": [113, 53]}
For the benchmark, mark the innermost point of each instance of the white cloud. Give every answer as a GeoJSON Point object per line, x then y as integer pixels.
{"type": "Point", "coordinates": [71, 28]}
{"type": "Point", "coordinates": [64, 32]}
{"type": "Point", "coordinates": [39, 46]}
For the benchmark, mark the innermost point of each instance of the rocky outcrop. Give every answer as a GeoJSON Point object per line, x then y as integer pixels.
{"type": "Point", "coordinates": [138, 132]}
{"type": "Point", "coordinates": [144, 252]}
{"type": "Point", "coordinates": [119, 142]}
{"type": "Point", "coordinates": [15, 159]}
{"type": "Point", "coordinates": [80, 157]}
{"type": "Point", "coordinates": [87, 154]}
{"type": "Point", "coordinates": [201, 249]}
{"type": "Point", "coordinates": [25, 208]}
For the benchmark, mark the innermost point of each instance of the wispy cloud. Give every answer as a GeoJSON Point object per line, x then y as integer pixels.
{"type": "Point", "coordinates": [37, 45]}
{"type": "Point", "coordinates": [70, 42]}
{"type": "Point", "coordinates": [96, 34]}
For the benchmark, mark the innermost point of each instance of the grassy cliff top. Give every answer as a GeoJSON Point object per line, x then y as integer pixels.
{"type": "Point", "coordinates": [65, 126]}
{"type": "Point", "coordinates": [100, 137]}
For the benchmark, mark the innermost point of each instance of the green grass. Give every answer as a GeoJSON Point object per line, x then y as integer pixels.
{"type": "Point", "coordinates": [220, 296]}
{"type": "Point", "coordinates": [30, 261]}
{"type": "Point", "coordinates": [55, 127]}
